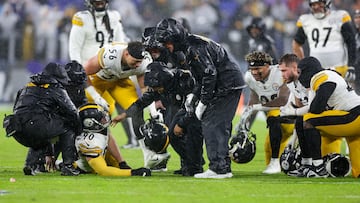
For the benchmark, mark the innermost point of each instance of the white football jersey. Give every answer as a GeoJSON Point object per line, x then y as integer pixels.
{"type": "Point", "coordinates": [299, 91]}
{"type": "Point", "coordinates": [269, 89]}
{"type": "Point", "coordinates": [110, 60]}
{"type": "Point", "coordinates": [91, 145]}
{"type": "Point", "coordinates": [324, 37]}
{"type": "Point", "coordinates": [343, 98]}
{"type": "Point", "coordinates": [86, 38]}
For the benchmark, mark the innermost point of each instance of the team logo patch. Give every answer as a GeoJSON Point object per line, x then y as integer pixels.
{"type": "Point", "coordinates": [275, 86]}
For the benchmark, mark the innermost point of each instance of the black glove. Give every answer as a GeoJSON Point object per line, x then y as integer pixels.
{"type": "Point", "coordinates": [141, 172]}
{"type": "Point", "coordinates": [124, 165]}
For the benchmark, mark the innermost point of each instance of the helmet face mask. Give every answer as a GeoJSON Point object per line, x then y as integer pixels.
{"type": "Point", "coordinates": [290, 159]}
{"type": "Point", "coordinates": [242, 147]}
{"type": "Point", "coordinates": [337, 165]}
{"type": "Point", "coordinates": [94, 118]}
{"type": "Point", "coordinates": [319, 8]}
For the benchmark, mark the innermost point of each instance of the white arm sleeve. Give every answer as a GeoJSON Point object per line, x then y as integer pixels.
{"type": "Point", "coordinates": [76, 39]}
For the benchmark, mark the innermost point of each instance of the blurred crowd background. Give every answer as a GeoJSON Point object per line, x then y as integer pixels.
{"type": "Point", "coordinates": [35, 32]}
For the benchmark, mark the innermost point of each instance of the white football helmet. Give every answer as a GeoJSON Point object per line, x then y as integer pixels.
{"type": "Point", "coordinates": [97, 5]}
{"type": "Point", "coordinates": [317, 12]}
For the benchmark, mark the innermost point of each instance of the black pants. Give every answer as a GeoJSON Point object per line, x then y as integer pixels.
{"type": "Point", "coordinates": [190, 145]}
{"type": "Point", "coordinates": [216, 127]}
{"type": "Point", "coordinates": [38, 131]}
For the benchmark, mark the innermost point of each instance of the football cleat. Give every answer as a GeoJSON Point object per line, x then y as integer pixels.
{"type": "Point", "coordinates": [317, 172]}
{"type": "Point", "coordinates": [28, 171]}
{"type": "Point", "coordinates": [300, 172]}
{"type": "Point", "coordinates": [69, 170]}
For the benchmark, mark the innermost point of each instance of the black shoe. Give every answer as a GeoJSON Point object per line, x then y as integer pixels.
{"type": "Point", "coordinates": [191, 172]}
{"type": "Point", "coordinates": [40, 168]}
{"type": "Point", "coordinates": [28, 171]}
{"type": "Point", "coordinates": [69, 170]}
{"type": "Point", "coordinates": [178, 172]}
{"type": "Point", "coordinates": [317, 172]}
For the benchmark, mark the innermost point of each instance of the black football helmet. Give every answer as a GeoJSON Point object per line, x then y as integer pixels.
{"type": "Point", "coordinates": [171, 30]}
{"type": "Point", "coordinates": [242, 147]}
{"type": "Point", "coordinates": [156, 135]}
{"type": "Point", "coordinates": [93, 117]}
{"type": "Point", "coordinates": [290, 159]}
{"type": "Point", "coordinates": [337, 165]}
{"type": "Point", "coordinates": [97, 5]}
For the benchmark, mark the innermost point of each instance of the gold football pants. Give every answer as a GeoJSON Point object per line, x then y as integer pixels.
{"type": "Point", "coordinates": [334, 125]}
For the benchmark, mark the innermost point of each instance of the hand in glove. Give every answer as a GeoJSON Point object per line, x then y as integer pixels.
{"type": "Point", "coordinates": [200, 109]}
{"type": "Point", "coordinates": [141, 172]}
{"type": "Point", "coordinates": [287, 110]}
{"type": "Point", "coordinates": [158, 116]}
{"type": "Point", "coordinates": [245, 118]}
{"type": "Point", "coordinates": [350, 74]}
{"type": "Point", "coordinates": [189, 103]}
{"type": "Point", "coordinates": [97, 98]}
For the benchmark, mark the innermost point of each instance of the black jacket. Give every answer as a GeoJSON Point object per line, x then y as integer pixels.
{"type": "Point", "coordinates": [44, 95]}
{"type": "Point", "coordinates": [214, 72]}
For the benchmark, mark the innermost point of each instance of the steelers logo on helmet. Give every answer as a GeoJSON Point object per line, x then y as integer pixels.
{"type": "Point", "coordinates": [155, 135]}
{"type": "Point", "coordinates": [242, 147]}
{"type": "Point", "coordinates": [337, 165]}
{"type": "Point", "coordinates": [290, 159]}
{"type": "Point", "coordinates": [93, 117]}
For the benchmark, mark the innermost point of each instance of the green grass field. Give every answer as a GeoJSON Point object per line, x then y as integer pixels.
{"type": "Point", "coordinates": [247, 185]}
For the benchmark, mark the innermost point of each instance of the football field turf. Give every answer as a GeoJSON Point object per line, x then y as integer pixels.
{"type": "Point", "coordinates": [247, 185]}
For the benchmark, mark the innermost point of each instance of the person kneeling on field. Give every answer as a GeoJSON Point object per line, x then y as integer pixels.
{"type": "Point", "coordinates": [97, 148]}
